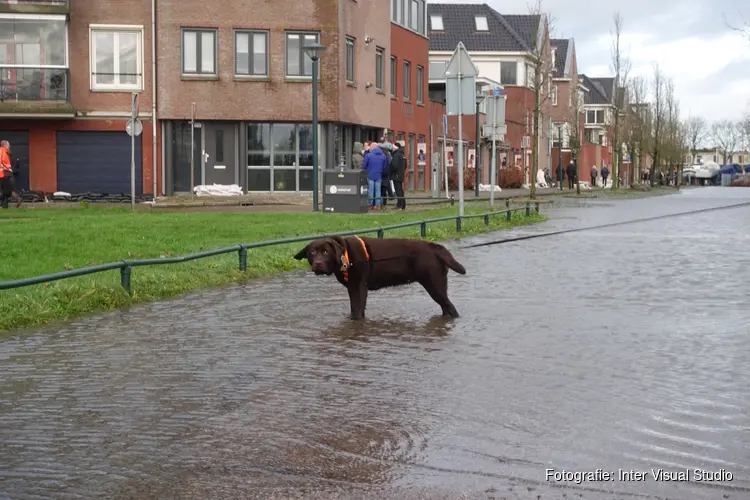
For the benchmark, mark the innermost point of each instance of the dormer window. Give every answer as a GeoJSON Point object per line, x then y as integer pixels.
{"type": "Point", "coordinates": [436, 22]}
{"type": "Point", "coordinates": [481, 23]}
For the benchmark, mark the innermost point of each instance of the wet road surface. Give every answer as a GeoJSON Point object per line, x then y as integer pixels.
{"type": "Point", "coordinates": [617, 349]}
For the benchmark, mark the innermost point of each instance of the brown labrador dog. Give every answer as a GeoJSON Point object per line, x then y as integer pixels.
{"type": "Point", "coordinates": [363, 264]}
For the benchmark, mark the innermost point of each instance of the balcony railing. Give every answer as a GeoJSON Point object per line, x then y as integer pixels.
{"type": "Point", "coordinates": [34, 84]}
{"type": "Point", "coordinates": [35, 6]}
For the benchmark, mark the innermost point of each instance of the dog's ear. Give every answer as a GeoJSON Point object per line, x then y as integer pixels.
{"type": "Point", "coordinates": [339, 246]}
{"type": "Point", "coordinates": [302, 254]}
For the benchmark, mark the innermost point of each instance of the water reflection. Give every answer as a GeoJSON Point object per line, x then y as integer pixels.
{"type": "Point", "coordinates": [619, 349]}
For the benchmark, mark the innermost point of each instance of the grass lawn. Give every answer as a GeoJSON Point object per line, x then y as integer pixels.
{"type": "Point", "coordinates": [43, 241]}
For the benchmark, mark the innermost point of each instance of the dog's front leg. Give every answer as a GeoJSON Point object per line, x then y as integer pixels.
{"type": "Point", "coordinates": [357, 300]}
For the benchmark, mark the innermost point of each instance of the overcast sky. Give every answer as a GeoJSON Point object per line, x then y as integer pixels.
{"type": "Point", "coordinates": [708, 62]}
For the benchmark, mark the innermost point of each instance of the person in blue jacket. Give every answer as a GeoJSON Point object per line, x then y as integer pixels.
{"type": "Point", "coordinates": [374, 164]}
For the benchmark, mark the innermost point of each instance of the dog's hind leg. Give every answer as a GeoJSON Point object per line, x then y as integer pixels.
{"type": "Point", "coordinates": [437, 287]}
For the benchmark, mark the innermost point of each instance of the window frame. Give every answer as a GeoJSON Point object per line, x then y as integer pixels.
{"type": "Point", "coordinates": [420, 84]}
{"type": "Point", "coordinates": [406, 81]}
{"type": "Point", "coordinates": [198, 49]}
{"type": "Point", "coordinates": [251, 45]}
{"type": "Point", "coordinates": [302, 54]}
{"type": "Point", "coordinates": [515, 73]}
{"type": "Point", "coordinates": [432, 22]}
{"type": "Point", "coordinates": [394, 77]}
{"type": "Point", "coordinates": [116, 29]}
{"type": "Point", "coordinates": [486, 23]}
{"type": "Point", "coordinates": [350, 71]}
{"type": "Point", "coordinates": [380, 69]}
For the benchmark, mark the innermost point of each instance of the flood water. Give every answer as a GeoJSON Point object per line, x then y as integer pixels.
{"type": "Point", "coordinates": [624, 348]}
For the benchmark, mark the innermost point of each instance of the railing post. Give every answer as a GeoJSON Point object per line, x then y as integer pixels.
{"type": "Point", "coordinates": [508, 214]}
{"type": "Point", "coordinates": [507, 203]}
{"type": "Point", "coordinates": [243, 258]}
{"type": "Point", "coordinates": [423, 229]}
{"type": "Point", "coordinates": [125, 273]}
{"type": "Point", "coordinates": [453, 200]}
{"type": "Point", "coordinates": [381, 233]}
{"type": "Point", "coordinates": [458, 224]}
{"type": "Point", "coordinates": [528, 209]}
{"type": "Point", "coordinates": [536, 207]}
{"type": "Point", "coordinates": [486, 220]}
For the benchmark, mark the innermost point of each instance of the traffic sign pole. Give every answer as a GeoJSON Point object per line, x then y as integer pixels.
{"type": "Point", "coordinates": [134, 116]}
{"type": "Point", "coordinates": [493, 169]}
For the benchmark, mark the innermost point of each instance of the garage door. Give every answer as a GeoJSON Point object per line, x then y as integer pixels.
{"type": "Point", "coordinates": [19, 150]}
{"type": "Point", "coordinates": [97, 162]}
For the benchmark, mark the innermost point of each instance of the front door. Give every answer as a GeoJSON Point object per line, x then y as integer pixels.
{"type": "Point", "coordinates": [220, 154]}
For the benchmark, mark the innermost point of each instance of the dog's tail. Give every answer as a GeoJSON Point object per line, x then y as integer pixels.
{"type": "Point", "coordinates": [447, 258]}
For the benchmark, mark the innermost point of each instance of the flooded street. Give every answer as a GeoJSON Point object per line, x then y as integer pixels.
{"type": "Point", "coordinates": [619, 349]}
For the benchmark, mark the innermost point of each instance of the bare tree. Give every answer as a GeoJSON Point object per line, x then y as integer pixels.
{"type": "Point", "coordinates": [573, 124]}
{"type": "Point", "coordinates": [675, 137]}
{"type": "Point", "coordinates": [726, 137]}
{"type": "Point", "coordinates": [696, 128]}
{"type": "Point", "coordinates": [657, 119]}
{"type": "Point", "coordinates": [621, 67]}
{"type": "Point", "coordinates": [638, 125]}
{"type": "Point", "coordinates": [743, 27]}
{"type": "Point", "coordinates": [539, 72]}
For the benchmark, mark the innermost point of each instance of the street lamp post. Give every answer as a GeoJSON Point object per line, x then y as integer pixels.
{"type": "Point", "coordinates": [313, 51]}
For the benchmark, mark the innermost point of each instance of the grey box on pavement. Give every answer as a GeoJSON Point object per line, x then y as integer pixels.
{"type": "Point", "coordinates": [345, 191]}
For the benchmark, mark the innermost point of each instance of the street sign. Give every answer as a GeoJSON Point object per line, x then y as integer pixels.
{"type": "Point", "coordinates": [445, 125]}
{"type": "Point", "coordinates": [499, 130]}
{"type": "Point", "coordinates": [460, 64]}
{"type": "Point", "coordinates": [498, 92]}
{"type": "Point", "coordinates": [526, 142]}
{"type": "Point", "coordinates": [134, 110]}
{"type": "Point", "coordinates": [134, 127]}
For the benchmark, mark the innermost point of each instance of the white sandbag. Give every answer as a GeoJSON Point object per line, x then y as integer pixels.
{"type": "Point", "coordinates": [218, 190]}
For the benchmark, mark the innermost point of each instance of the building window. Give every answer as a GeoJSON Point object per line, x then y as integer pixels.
{"type": "Point", "coordinates": [595, 116]}
{"type": "Point", "coordinates": [116, 62]}
{"type": "Point", "coordinates": [349, 60]}
{"type": "Point", "coordinates": [251, 53]}
{"type": "Point", "coordinates": [509, 73]}
{"type": "Point", "coordinates": [279, 157]}
{"type": "Point", "coordinates": [436, 22]}
{"type": "Point", "coordinates": [481, 23]}
{"type": "Point", "coordinates": [298, 64]}
{"type": "Point", "coordinates": [437, 70]}
{"type": "Point", "coordinates": [420, 85]}
{"type": "Point", "coordinates": [420, 18]}
{"type": "Point", "coordinates": [198, 52]}
{"type": "Point", "coordinates": [380, 69]}
{"type": "Point", "coordinates": [407, 81]}
{"type": "Point", "coordinates": [553, 95]}
{"type": "Point", "coordinates": [414, 15]}
{"type": "Point", "coordinates": [394, 80]}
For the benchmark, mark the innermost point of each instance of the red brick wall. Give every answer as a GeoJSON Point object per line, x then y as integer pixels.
{"type": "Point", "coordinates": [86, 12]}
{"type": "Point", "coordinates": [410, 117]}
{"type": "Point", "coordinates": [43, 148]}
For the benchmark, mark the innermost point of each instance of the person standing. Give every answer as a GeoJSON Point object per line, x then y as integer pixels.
{"type": "Point", "coordinates": [375, 163]}
{"type": "Point", "coordinates": [7, 185]}
{"type": "Point", "coordinates": [357, 156]}
{"type": "Point", "coordinates": [398, 168]}
{"type": "Point", "coordinates": [385, 183]}
{"type": "Point", "coordinates": [605, 175]}
{"type": "Point", "coordinates": [594, 174]}
{"type": "Point", "coordinates": [571, 171]}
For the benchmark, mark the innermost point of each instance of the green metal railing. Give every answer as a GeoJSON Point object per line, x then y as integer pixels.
{"type": "Point", "coordinates": [126, 266]}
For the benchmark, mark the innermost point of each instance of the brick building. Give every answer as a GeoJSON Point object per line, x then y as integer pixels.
{"type": "Point", "coordinates": [567, 100]}
{"type": "Point", "coordinates": [252, 82]}
{"type": "Point", "coordinates": [67, 71]}
{"type": "Point", "coordinates": [409, 60]}
{"type": "Point", "coordinates": [503, 48]}
{"type": "Point", "coordinates": [599, 109]}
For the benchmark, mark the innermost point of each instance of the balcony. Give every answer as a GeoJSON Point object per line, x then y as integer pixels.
{"type": "Point", "coordinates": [34, 72]}
{"type": "Point", "coordinates": [35, 7]}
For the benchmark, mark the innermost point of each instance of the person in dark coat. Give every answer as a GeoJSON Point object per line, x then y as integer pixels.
{"type": "Point", "coordinates": [398, 168]}
{"type": "Point", "coordinates": [605, 175]}
{"type": "Point", "coordinates": [594, 173]}
{"type": "Point", "coordinates": [560, 175]}
{"type": "Point", "coordinates": [571, 171]}
{"type": "Point", "coordinates": [385, 184]}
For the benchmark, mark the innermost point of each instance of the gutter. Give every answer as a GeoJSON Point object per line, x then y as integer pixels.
{"type": "Point", "coordinates": [154, 121]}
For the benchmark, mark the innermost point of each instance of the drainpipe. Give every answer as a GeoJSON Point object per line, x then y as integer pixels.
{"type": "Point", "coordinates": [154, 121]}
